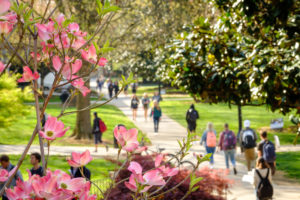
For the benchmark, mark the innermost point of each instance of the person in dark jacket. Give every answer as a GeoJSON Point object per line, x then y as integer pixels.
{"type": "Point", "coordinates": [35, 159]}
{"type": "Point", "coordinates": [191, 118]}
{"type": "Point", "coordinates": [5, 164]}
{"type": "Point", "coordinates": [96, 131]}
{"type": "Point", "coordinates": [156, 114]}
{"type": "Point", "coordinates": [116, 88]}
{"type": "Point", "coordinates": [76, 173]}
{"type": "Point", "coordinates": [110, 87]}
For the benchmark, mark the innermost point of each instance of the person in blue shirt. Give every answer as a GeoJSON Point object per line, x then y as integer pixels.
{"type": "Point", "coordinates": [209, 137]}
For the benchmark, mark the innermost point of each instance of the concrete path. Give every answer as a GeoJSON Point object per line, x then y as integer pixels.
{"type": "Point", "coordinates": [170, 131]}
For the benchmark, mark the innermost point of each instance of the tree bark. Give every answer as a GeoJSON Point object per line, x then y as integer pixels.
{"type": "Point", "coordinates": [83, 129]}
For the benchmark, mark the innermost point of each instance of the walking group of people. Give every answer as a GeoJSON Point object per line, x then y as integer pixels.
{"type": "Point", "coordinates": [113, 88]}
{"type": "Point", "coordinates": [35, 159]}
{"type": "Point", "coordinates": [155, 113]}
{"type": "Point", "coordinates": [265, 166]}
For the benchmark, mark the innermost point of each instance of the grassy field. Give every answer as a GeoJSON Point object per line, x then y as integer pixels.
{"type": "Point", "coordinates": [99, 167]}
{"type": "Point", "coordinates": [289, 162]}
{"type": "Point", "coordinates": [221, 113]}
{"type": "Point", "coordinates": [150, 89]}
{"type": "Point", "coordinates": [20, 132]}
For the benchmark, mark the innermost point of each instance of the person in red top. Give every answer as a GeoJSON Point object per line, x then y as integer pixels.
{"type": "Point", "coordinates": [228, 145]}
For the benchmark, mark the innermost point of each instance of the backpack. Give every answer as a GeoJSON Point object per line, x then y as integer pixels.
{"type": "Point", "coordinates": [102, 126]}
{"type": "Point", "coordinates": [193, 116]}
{"type": "Point", "coordinates": [265, 188]}
{"type": "Point", "coordinates": [211, 139]}
{"type": "Point", "coordinates": [248, 139]}
{"type": "Point", "coordinates": [229, 140]}
{"type": "Point", "coordinates": [269, 154]}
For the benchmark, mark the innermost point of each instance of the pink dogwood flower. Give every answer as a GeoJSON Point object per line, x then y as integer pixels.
{"type": "Point", "coordinates": [127, 138]}
{"type": "Point", "coordinates": [2, 67]}
{"type": "Point", "coordinates": [70, 67]}
{"type": "Point", "coordinates": [7, 22]}
{"type": "Point", "coordinates": [91, 56]}
{"type": "Point", "coordinates": [80, 159]}
{"type": "Point", "coordinates": [5, 5]}
{"type": "Point", "coordinates": [28, 75]}
{"type": "Point", "coordinates": [38, 56]}
{"type": "Point", "coordinates": [45, 31]}
{"type": "Point", "coordinates": [149, 179]}
{"type": "Point", "coordinates": [53, 129]}
{"type": "Point", "coordinates": [164, 170]}
{"type": "Point", "coordinates": [3, 175]}
{"type": "Point", "coordinates": [79, 84]}
{"type": "Point", "coordinates": [23, 190]}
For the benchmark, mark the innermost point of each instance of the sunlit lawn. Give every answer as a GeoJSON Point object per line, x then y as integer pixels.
{"type": "Point", "coordinates": [289, 162]}
{"type": "Point", "coordinates": [21, 130]}
{"type": "Point", "coordinates": [221, 113]}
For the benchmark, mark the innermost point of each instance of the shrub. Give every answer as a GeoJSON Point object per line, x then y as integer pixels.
{"type": "Point", "coordinates": [214, 181]}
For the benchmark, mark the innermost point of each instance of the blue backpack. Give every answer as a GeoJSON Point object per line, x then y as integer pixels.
{"type": "Point", "coordinates": [269, 153]}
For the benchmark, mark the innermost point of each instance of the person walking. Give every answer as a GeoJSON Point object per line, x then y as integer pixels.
{"type": "Point", "coordinates": [96, 131]}
{"type": "Point", "coordinates": [145, 102]}
{"type": "Point", "coordinates": [209, 137]}
{"type": "Point", "coordinates": [191, 118]}
{"type": "Point", "coordinates": [110, 87]}
{"type": "Point", "coordinates": [262, 180]}
{"type": "Point", "coordinates": [134, 106]}
{"type": "Point", "coordinates": [35, 159]}
{"type": "Point", "coordinates": [5, 164]}
{"type": "Point", "coordinates": [157, 97]}
{"type": "Point", "coordinates": [116, 88]}
{"type": "Point", "coordinates": [227, 144]}
{"type": "Point", "coordinates": [156, 114]}
{"type": "Point", "coordinates": [134, 88]}
{"type": "Point", "coordinates": [266, 150]}
{"type": "Point", "coordinates": [248, 139]}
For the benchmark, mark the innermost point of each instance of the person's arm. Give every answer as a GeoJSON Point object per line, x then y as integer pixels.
{"type": "Point", "coordinates": [221, 140]}
{"type": "Point", "coordinates": [235, 140]}
{"type": "Point", "coordinates": [197, 114]}
{"type": "Point", "coordinates": [187, 116]}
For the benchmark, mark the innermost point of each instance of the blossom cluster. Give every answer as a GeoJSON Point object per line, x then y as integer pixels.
{"type": "Point", "coordinates": [55, 185]}
{"type": "Point", "coordinates": [139, 182]}
{"type": "Point", "coordinates": [7, 21]}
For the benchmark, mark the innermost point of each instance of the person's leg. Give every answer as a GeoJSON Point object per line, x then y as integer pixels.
{"type": "Point", "coordinates": [155, 124]}
{"type": "Point", "coordinates": [226, 158]}
{"type": "Point", "coordinates": [100, 137]}
{"type": "Point", "coordinates": [213, 149]}
{"type": "Point", "coordinates": [248, 160]}
{"type": "Point", "coordinates": [96, 142]}
{"type": "Point", "coordinates": [273, 168]}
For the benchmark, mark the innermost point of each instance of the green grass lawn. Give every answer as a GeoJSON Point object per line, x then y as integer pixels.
{"type": "Point", "coordinates": [150, 89]}
{"type": "Point", "coordinates": [20, 131]}
{"type": "Point", "coordinates": [218, 114]}
{"type": "Point", "coordinates": [289, 162]}
{"type": "Point", "coordinates": [99, 167]}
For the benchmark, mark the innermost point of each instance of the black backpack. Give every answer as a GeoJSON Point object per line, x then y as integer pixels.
{"type": "Point", "coordinates": [193, 116]}
{"type": "Point", "coordinates": [248, 140]}
{"type": "Point", "coordinates": [265, 188]}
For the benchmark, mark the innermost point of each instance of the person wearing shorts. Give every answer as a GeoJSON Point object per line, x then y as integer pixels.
{"type": "Point", "coordinates": [145, 102]}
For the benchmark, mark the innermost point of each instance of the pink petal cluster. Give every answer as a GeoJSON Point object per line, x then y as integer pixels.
{"type": "Point", "coordinates": [3, 175]}
{"type": "Point", "coordinates": [144, 182]}
{"type": "Point", "coordinates": [55, 185]}
{"type": "Point", "coordinates": [80, 159]}
{"type": "Point", "coordinates": [79, 84]}
{"type": "Point", "coordinates": [53, 129]}
{"type": "Point", "coordinates": [7, 21]}
{"type": "Point", "coordinates": [151, 178]}
{"type": "Point", "coordinates": [61, 36]}
{"type": "Point", "coordinates": [68, 68]}
{"type": "Point", "coordinates": [2, 67]}
{"type": "Point", "coordinates": [28, 75]}
{"type": "Point", "coordinates": [91, 56]}
{"type": "Point", "coordinates": [127, 138]}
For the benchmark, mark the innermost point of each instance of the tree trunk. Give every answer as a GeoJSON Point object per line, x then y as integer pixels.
{"type": "Point", "coordinates": [83, 129]}
{"type": "Point", "coordinates": [240, 118]}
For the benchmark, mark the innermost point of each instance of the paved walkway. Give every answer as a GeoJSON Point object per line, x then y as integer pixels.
{"type": "Point", "coordinates": [169, 132]}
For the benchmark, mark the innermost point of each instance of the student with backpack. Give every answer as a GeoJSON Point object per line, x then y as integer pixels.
{"type": "Point", "coordinates": [262, 180]}
{"type": "Point", "coordinates": [99, 128]}
{"type": "Point", "coordinates": [266, 150]}
{"type": "Point", "coordinates": [228, 145]}
{"type": "Point", "coordinates": [191, 118]}
{"type": "Point", "coordinates": [248, 139]}
{"type": "Point", "coordinates": [156, 114]}
{"type": "Point", "coordinates": [209, 137]}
